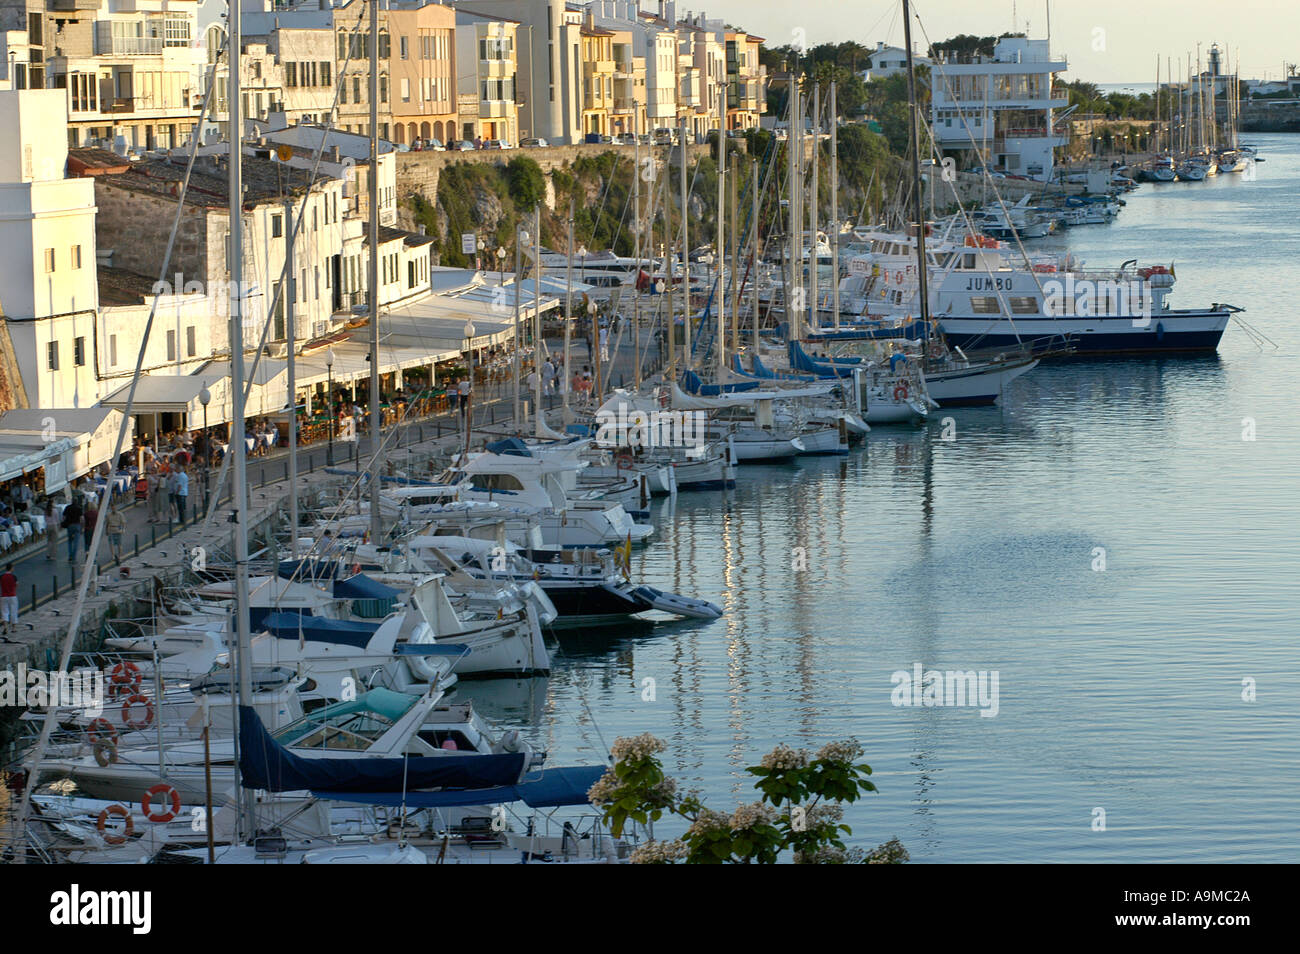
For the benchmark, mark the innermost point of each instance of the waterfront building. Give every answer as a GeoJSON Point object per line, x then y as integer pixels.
{"type": "Point", "coordinates": [1000, 105]}
{"type": "Point", "coordinates": [486, 76]}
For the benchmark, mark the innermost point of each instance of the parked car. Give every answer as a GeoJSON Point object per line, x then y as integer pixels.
{"type": "Point", "coordinates": [625, 139]}
{"type": "Point", "coordinates": [434, 145]}
{"type": "Point", "coordinates": [496, 144]}
{"type": "Point", "coordinates": [534, 144]}
{"type": "Point", "coordinates": [593, 139]}
{"type": "Point", "coordinates": [663, 136]}
{"type": "Point", "coordinates": [463, 146]}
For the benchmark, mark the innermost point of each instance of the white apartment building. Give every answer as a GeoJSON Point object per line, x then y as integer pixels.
{"type": "Point", "coordinates": [47, 273]}
{"type": "Point", "coordinates": [887, 60]}
{"type": "Point", "coordinates": [1001, 106]}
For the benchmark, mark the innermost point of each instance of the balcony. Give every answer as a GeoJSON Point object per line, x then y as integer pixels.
{"type": "Point", "coordinates": [128, 45]}
{"type": "Point", "coordinates": [71, 6]}
{"type": "Point", "coordinates": [117, 105]}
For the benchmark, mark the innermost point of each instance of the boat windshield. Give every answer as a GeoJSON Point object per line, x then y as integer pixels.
{"type": "Point", "coordinates": [353, 725]}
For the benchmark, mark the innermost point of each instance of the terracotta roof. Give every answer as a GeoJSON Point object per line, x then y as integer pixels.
{"type": "Point", "coordinates": [95, 162]}
{"type": "Point", "coordinates": [265, 180]}
{"type": "Point", "coordinates": [118, 286]}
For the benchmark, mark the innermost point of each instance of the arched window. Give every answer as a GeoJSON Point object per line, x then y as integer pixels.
{"type": "Point", "coordinates": [213, 40]}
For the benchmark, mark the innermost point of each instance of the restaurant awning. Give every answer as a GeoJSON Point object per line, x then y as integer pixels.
{"type": "Point", "coordinates": [80, 439]}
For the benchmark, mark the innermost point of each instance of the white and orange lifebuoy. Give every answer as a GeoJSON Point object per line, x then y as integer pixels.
{"type": "Point", "coordinates": [900, 393]}
{"type": "Point", "coordinates": [126, 674]}
{"type": "Point", "coordinates": [132, 702]}
{"type": "Point", "coordinates": [898, 277]}
{"type": "Point", "coordinates": [159, 790]}
{"type": "Point", "coordinates": [102, 824]}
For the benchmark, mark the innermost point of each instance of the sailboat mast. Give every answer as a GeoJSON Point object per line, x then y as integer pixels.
{"type": "Point", "coordinates": [720, 256]}
{"type": "Point", "coordinates": [794, 296]}
{"type": "Point", "coordinates": [537, 321]}
{"type": "Point", "coordinates": [568, 316]}
{"type": "Point", "coordinates": [917, 200]}
{"type": "Point", "coordinates": [686, 262]}
{"type": "Point", "coordinates": [636, 238]}
{"type": "Point", "coordinates": [291, 294]}
{"type": "Point", "coordinates": [239, 472]}
{"type": "Point", "coordinates": [376, 412]}
{"type": "Point", "coordinates": [814, 320]}
{"type": "Point", "coordinates": [753, 256]}
{"type": "Point", "coordinates": [835, 211]}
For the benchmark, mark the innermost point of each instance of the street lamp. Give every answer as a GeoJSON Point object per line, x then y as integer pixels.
{"type": "Point", "coordinates": [501, 263]}
{"type": "Point", "coordinates": [329, 403]}
{"type": "Point", "coordinates": [465, 411]}
{"type": "Point", "coordinates": [595, 340]}
{"type": "Point", "coordinates": [204, 397]}
{"type": "Point", "coordinates": [478, 262]}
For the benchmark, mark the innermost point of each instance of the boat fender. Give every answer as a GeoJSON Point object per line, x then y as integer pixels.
{"type": "Point", "coordinates": [1160, 331]}
{"type": "Point", "coordinates": [105, 753]}
{"type": "Point", "coordinates": [101, 730]}
{"type": "Point", "coordinates": [158, 791]}
{"type": "Point", "coordinates": [130, 703]}
{"type": "Point", "coordinates": [101, 824]}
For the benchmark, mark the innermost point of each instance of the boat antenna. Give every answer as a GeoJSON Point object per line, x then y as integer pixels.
{"type": "Point", "coordinates": [918, 202]}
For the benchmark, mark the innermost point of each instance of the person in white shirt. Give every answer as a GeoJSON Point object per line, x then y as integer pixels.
{"type": "Point", "coordinates": [548, 376]}
{"type": "Point", "coordinates": [463, 390]}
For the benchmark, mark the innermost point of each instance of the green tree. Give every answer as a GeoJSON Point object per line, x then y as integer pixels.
{"type": "Point", "coordinates": [799, 813]}
{"type": "Point", "coordinates": [526, 183]}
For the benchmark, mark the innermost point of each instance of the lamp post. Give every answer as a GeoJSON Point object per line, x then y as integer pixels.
{"type": "Point", "coordinates": [595, 341]}
{"type": "Point", "coordinates": [501, 264]}
{"type": "Point", "coordinates": [204, 397]}
{"type": "Point", "coordinates": [478, 261]}
{"type": "Point", "coordinates": [522, 238]}
{"type": "Point", "coordinates": [329, 403]}
{"type": "Point", "coordinates": [466, 408]}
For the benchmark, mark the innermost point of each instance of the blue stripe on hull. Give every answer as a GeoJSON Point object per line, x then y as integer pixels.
{"type": "Point", "coordinates": [1088, 344]}
{"type": "Point", "coordinates": [971, 400]}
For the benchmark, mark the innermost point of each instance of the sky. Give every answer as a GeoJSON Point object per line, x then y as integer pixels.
{"type": "Point", "coordinates": [1105, 41]}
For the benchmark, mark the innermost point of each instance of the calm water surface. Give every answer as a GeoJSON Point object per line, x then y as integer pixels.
{"type": "Point", "coordinates": [1119, 689]}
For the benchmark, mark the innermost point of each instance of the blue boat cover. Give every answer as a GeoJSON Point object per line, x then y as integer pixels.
{"type": "Point", "coordinates": [362, 587]}
{"type": "Point", "coordinates": [692, 384]}
{"type": "Point", "coordinates": [509, 445]}
{"type": "Point", "coordinates": [552, 788]}
{"type": "Point", "coordinates": [344, 632]}
{"type": "Point", "coordinates": [430, 649]}
{"type": "Point", "coordinates": [265, 764]}
{"type": "Point", "coordinates": [312, 568]}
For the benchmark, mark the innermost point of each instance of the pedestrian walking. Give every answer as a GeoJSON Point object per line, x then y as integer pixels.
{"type": "Point", "coordinates": [115, 524]}
{"type": "Point", "coordinates": [72, 523]}
{"type": "Point", "coordinates": [157, 488]}
{"type": "Point", "coordinates": [9, 599]}
{"type": "Point", "coordinates": [89, 517]}
{"type": "Point", "coordinates": [51, 531]}
{"type": "Point", "coordinates": [182, 477]}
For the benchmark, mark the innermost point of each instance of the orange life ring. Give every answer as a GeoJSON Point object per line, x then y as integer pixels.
{"type": "Point", "coordinates": [900, 393]}
{"type": "Point", "coordinates": [126, 673]}
{"type": "Point", "coordinates": [663, 397]}
{"type": "Point", "coordinates": [898, 277]}
{"type": "Point", "coordinates": [356, 569]}
{"type": "Point", "coordinates": [126, 712]}
{"type": "Point", "coordinates": [102, 823]}
{"type": "Point", "coordinates": [101, 730]}
{"type": "Point", "coordinates": [146, 805]}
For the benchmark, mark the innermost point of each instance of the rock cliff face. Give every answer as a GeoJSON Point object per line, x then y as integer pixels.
{"type": "Point", "coordinates": [12, 392]}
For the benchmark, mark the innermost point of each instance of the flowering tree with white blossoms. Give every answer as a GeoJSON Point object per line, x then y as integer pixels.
{"type": "Point", "coordinates": [799, 811]}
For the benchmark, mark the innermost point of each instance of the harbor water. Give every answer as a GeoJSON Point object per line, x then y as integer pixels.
{"type": "Point", "coordinates": [1110, 541]}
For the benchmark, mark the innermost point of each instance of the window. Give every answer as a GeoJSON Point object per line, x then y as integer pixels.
{"type": "Point", "coordinates": [191, 342]}
{"type": "Point", "coordinates": [410, 274]}
{"type": "Point", "coordinates": [279, 310]}
{"type": "Point", "coordinates": [401, 45]}
{"type": "Point", "coordinates": [406, 89]}
{"type": "Point", "coordinates": [291, 74]}
{"type": "Point", "coordinates": [277, 225]}
{"type": "Point", "coordinates": [49, 260]}
{"type": "Point", "coordinates": [52, 355]}
{"type": "Point", "coordinates": [171, 345]}
{"type": "Point", "coordinates": [325, 71]}
{"type": "Point", "coordinates": [356, 89]}
{"type": "Point", "coordinates": [112, 351]}
{"type": "Point", "coordinates": [985, 305]}
{"type": "Point", "coordinates": [1023, 305]}
{"type": "Point", "coordinates": [76, 256]}
{"type": "Point", "coordinates": [79, 352]}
